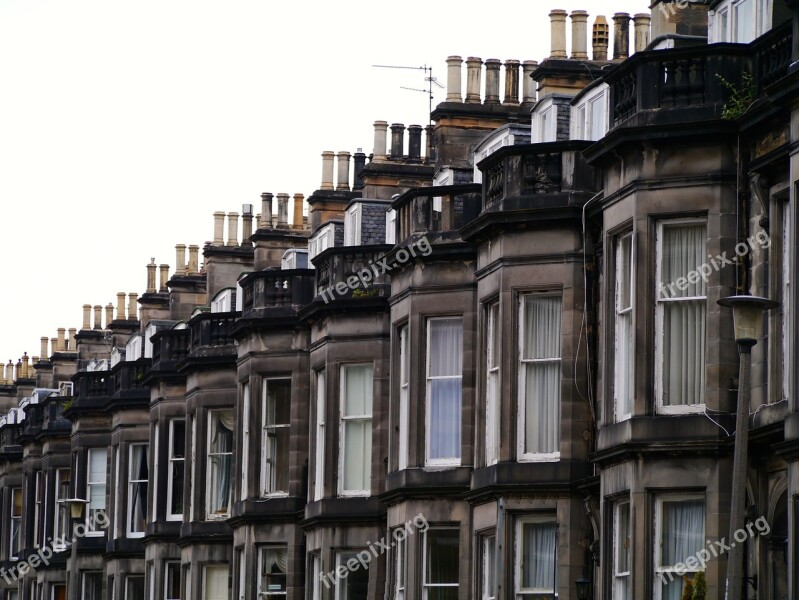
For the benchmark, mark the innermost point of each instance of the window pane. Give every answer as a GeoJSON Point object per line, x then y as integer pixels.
{"type": "Point", "coordinates": [272, 580]}
{"type": "Point", "coordinates": [542, 318]}
{"type": "Point", "coordinates": [682, 530]}
{"type": "Point", "coordinates": [446, 347]}
{"type": "Point", "coordinates": [538, 556]}
{"type": "Point", "coordinates": [442, 557]}
{"type": "Point", "coordinates": [356, 584]}
{"type": "Point", "coordinates": [684, 352]}
{"type": "Point", "coordinates": [134, 588]}
{"type": "Point", "coordinates": [277, 418]}
{"type": "Point", "coordinates": [745, 21]}
{"type": "Point", "coordinates": [173, 581]}
{"type": "Point", "coordinates": [178, 439]}
{"type": "Point", "coordinates": [358, 387]}
{"type": "Point", "coordinates": [357, 454]}
{"type": "Point", "coordinates": [445, 418]}
{"type": "Point", "coordinates": [92, 586]}
{"type": "Point", "coordinates": [683, 251]}
{"type": "Point", "coordinates": [542, 407]}
{"type": "Point", "coordinates": [219, 462]}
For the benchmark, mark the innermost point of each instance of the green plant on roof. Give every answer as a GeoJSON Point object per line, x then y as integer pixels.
{"type": "Point", "coordinates": [742, 97]}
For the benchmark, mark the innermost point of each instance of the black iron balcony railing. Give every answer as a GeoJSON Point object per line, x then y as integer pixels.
{"type": "Point", "coordinates": [436, 209]}
{"type": "Point", "coordinates": [170, 346]}
{"type": "Point", "coordinates": [287, 290]}
{"type": "Point", "coordinates": [337, 265]}
{"type": "Point", "coordinates": [211, 329]}
{"type": "Point", "coordinates": [699, 77]}
{"type": "Point", "coordinates": [518, 177]}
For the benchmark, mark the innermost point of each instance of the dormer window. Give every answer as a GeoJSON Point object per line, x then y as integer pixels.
{"type": "Point", "coordinates": [391, 226]}
{"type": "Point", "coordinates": [589, 116]}
{"type": "Point", "coordinates": [224, 301]}
{"type": "Point", "coordinates": [324, 238]}
{"type": "Point", "coordinates": [739, 21]}
{"type": "Point", "coordinates": [134, 350]}
{"type": "Point", "coordinates": [352, 226]}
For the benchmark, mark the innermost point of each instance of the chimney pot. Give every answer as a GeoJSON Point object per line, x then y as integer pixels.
{"type": "Point", "coordinates": [358, 163]}
{"type": "Point", "coordinates": [430, 151]}
{"type": "Point", "coordinates": [246, 223]}
{"type": "Point", "coordinates": [109, 314]}
{"type": "Point", "coordinates": [232, 229]}
{"type": "Point", "coordinates": [133, 307]}
{"type": "Point", "coordinates": [219, 228]}
{"type": "Point", "coordinates": [601, 38]}
{"type": "Point", "coordinates": [642, 24]}
{"type": "Point", "coordinates": [283, 211]}
{"type": "Point", "coordinates": [557, 19]}
{"type": "Point", "coordinates": [327, 170]}
{"type": "Point", "coordinates": [579, 34]}
{"type": "Point", "coordinates": [53, 346]}
{"type": "Point", "coordinates": [61, 345]}
{"type": "Point", "coordinates": [454, 79]}
{"type": "Point", "coordinates": [492, 81]}
{"type": "Point", "coordinates": [298, 205]}
{"type": "Point", "coordinates": [266, 211]}
{"type": "Point", "coordinates": [180, 259]}
{"type": "Point", "coordinates": [87, 320]}
{"type": "Point", "coordinates": [379, 150]}
{"type": "Point", "coordinates": [621, 36]}
{"type": "Point", "coordinates": [415, 143]}
{"type": "Point", "coordinates": [73, 341]}
{"type": "Point", "coordinates": [151, 277]}
{"type": "Point", "coordinates": [528, 83]}
{"type": "Point", "coordinates": [43, 347]}
{"type": "Point", "coordinates": [98, 316]}
{"type": "Point", "coordinates": [194, 259]}
{"type": "Point", "coordinates": [474, 71]}
{"type": "Point", "coordinates": [121, 306]}
{"type": "Point", "coordinates": [397, 140]}
{"type": "Point", "coordinates": [164, 277]}
{"type": "Point", "coordinates": [343, 160]}
{"type": "Point", "coordinates": [512, 82]}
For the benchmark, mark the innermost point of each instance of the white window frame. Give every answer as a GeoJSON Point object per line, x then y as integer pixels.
{"type": "Point", "coordinates": [763, 21]}
{"type": "Point", "coordinates": [209, 516]}
{"type": "Point", "coordinates": [425, 585]}
{"type": "Point", "coordinates": [265, 593]}
{"type": "Point", "coordinates": [530, 593]}
{"type": "Point", "coordinates": [316, 573]}
{"type": "Point", "coordinates": [352, 225]}
{"type": "Point", "coordinates": [266, 469]}
{"type": "Point", "coordinates": [193, 458]}
{"type": "Point", "coordinates": [546, 123]}
{"type": "Point", "coordinates": [319, 441]}
{"type": "Point", "coordinates": [61, 511]}
{"type": "Point", "coordinates": [37, 507]}
{"type": "Point", "coordinates": [659, 536]}
{"type": "Point", "coordinates": [622, 311]}
{"type": "Point", "coordinates": [622, 579]}
{"type": "Point", "coordinates": [597, 131]}
{"type": "Point", "coordinates": [522, 455]}
{"type": "Point", "coordinates": [488, 554]}
{"type": "Point", "coordinates": [83, 586]}
{"type": "Point", "coordinates": [167, 565]}
{"type": "Point", "coordinates": [493, 392]}
{"type": "Point", "coordinates": [128, 580]}
{"type": "Point", "coordinates": [154, 473]}
{"type": "Point", "coordinates": [341, 562]}
{"type": "Point", "coordinates": [659, 318]}
{"type": "Point", "coordinates": [130, 483]}
{"type": "Point", "coordinates": [439, 462]}
{"type": "Point", "coordinates": [245, 439]}
{"type": "Point", "coordinates": [90, 484]}
{"type": "Point", "coordinates": [116, 490]}
{"type": "Point", "coordinates": [173, 460]}
{"type": "Point", "coordinates": [400, 568]}
{"type": "Point", "coordinates": [404, 396]}
{"type": "Point", "coordinates": [788, 250]}
{"type": "Point", "coordinates": [15, 522]}
{"type": "Point", "coordinates": [342, 437]}
{"type": "Point", "coordinates": [391, 226]}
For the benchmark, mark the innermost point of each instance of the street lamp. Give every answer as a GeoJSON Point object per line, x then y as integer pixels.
{"type": "Point", "coordinates": [76, 506]}
{"type": "Point", "coordinates": [583, 586]}
{"type": "Point", "coordinates": [747, 314]}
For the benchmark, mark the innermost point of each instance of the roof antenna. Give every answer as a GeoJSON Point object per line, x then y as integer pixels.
{"type": "Point", "coordinates": [428, 71]}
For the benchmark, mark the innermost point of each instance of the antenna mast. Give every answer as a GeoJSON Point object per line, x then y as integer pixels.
{"type": "Point", "coordinates": [428, 71]}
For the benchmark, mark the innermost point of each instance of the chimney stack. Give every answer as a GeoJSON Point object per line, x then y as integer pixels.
{"type": "Point", "coordinates": [266, 210]}
{"type": "Point", "coordinates": [415, 143]}
{"type": "Point", "coordinates": [298, 200]}
{"type": "Point", "coordinates": [397, 140]}
{"type": "Point", "coordinates": [42, 348]}
{"type": "Point", "coordinates": [579, 34]}
{"type": "Point", "coordinates": [61, 345]}
{"type": "Point", "coordinates": [109, 314]}
{"type": "Point", "coordinates": [430, 150]}
{"type": "Point", "coordinates": [327, 170]}
{"type": "Point", "coordinates": [528, 83]}
{"type": "Point", "coordinates": [492, 81]}
{"type": "Point", "coordinates": [282, 211]}
{"type": "Point", "coordinates": [10, 372]}
{"type": "Point", "coordinates": [642, 24]}
{"type": "Point", "coordinates": [73, 342]}
{"type": "Point", "coordinates": [621, 36]}
{"type": "Point", "coordinates": [164, 277]}
{"type": "Point", "coordinates": [194, 259]}
{"type": "Point", "coordinates": [232, 229]}
{"type": "Point", "coordinates": [53, 345]}
{"type": "Point", "coordinates": [246, 223]}
{"type": "Point", "coordinates": [180, 259]}
{"type": "Point", "coordinates": [87, 320]}
{"type": "Point", "coordinates": [121, 306]}
{"type": "Point", "coordinates": [219, 228]}
{"type": "Point", "coordinates": [133, 308]}
{"type": "Point", "coordinates": [151, 277]}
{"type": "Point", "coordinates": [358, 163]}
{"type": "Point", "coordinates": [98, 316]}
{"type": "Point", "coordinates": [26, 372]}
{"type": "Point", "coordinates": [601, 38]}
{"type": "Point", "coordinates": [474, 70]}
{"type": "Point", "coordinates": [20, 375]}
{"type": "Point", "coordinates": [557, 19]}
{"type": "Point", "coordinates": [454, 79]}
{"type": "Point", "coordinates": [379, 150]}
{"type": "Point", "coordinates": [343, 163]}
{"type": "Point", "coordinates": [512, 82]}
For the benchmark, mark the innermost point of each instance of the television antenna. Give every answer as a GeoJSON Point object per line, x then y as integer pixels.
{"type": "Point", "coordinates": [428, 72]}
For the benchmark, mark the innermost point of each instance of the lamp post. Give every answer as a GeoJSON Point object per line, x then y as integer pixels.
{"type": "Point", "coordinates": [76, 506]}
{"type": "Point", "coordinates": [747, 314]}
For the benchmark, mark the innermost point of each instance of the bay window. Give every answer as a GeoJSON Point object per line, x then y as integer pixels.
{"type": "Point", "coordinates": [96, 473]}
{"type": "Point", "coordinates": [134, 587]}
{"type": "Point", "coordinates": [177, 460]}
{"type": "Point", "coordinates": [540, 319]}
{"type": "Point", "coordinates": [220, 458]}
{"type": "Point", "coordinates": [488, 549]}
{"type": "Point", "coordinates": [61, 528]}
{"type": "Point", "coordinates": [92, 585]}
{"type": "Point", "coordinates": [440, 562]}
{"type": "Point", "coordinates": [621, 551]}
{"type": "Point", "coordinates": [272, 567]}
{"type": "Point", "coordinates": [492, 384]}
{"type": "Point", "coordinates": [739, 21]}
{"type": "Point", "coordinates": [623, 331]}
{"type": "Point", "coordinates": [535, 558]}
{"type": "Point", "coordinates": [15, 525]}
{"type": "Point", "coordinates": [172, 581]}
{"type": "Point", "coordinates": [355, 585]}
{"type": "Point", "coordinates": [680, 534]}
{"type": "Point", "coordinates": [138, 479]}
{"type": "Point", "coordinates": [400, 568]}
{"type": "Point", "coordinates": [216, 583]}
{"type": "Point", "coordinates": [444, 381]}
{"type": "Point", "coordinates": [404, 407]}
{"type": "Point", "coordinates": [319, 442]}
{"type": "Point", "coordinates": [276, 429]}
{"type": "Point", "coordinates": [680, 318]}
{"type": "Point", "coordinates": [355, 453]}
{"type": "Point", "coordinates": [245, 439]}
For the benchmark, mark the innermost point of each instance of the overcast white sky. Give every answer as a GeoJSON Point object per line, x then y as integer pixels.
{"type": "Point", "coordinates": [124, 125]}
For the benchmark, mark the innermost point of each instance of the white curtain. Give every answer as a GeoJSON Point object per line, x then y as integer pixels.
{"type": "Point", "coordinates": [139, 476]}
{"type": "Point", "coordinates": [684, 321]}
{"type": "Point", "coordinates": [357, 415]}
{"type": "Point", "coordinates": [222, 425]}
{"type": "Point", "coordinates": [445, 369]}
{"type": "Point", "coordinates": [624, 331]}
{"type": "Point", "coordinates": [542, 373]}
{"type": "Point", "coordinates": [683, 535]}
{"type": "Point", "coordinates": [538, 556]}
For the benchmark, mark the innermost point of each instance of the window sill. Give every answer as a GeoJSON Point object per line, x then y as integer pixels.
{"type": "Point", "coordinates": [535, 458]}
{"type": "Point", "coordinates": [686, 409]}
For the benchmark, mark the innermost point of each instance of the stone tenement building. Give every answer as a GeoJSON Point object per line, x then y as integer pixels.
{"type": "Point", "coordinates": [491, 367]}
